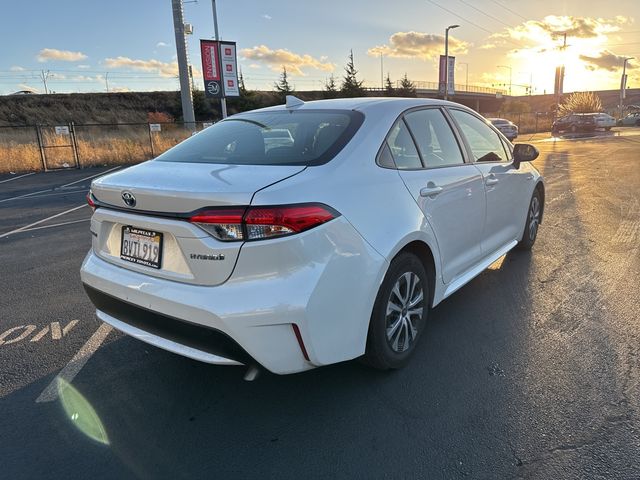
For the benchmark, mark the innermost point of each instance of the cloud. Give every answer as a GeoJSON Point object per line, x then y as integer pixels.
{"type": "Point", "coordinates": [165, 69]}
{"type": "Point", "coordinates": [276, 59]}
{"type": "Point", "coordinates": [162, 44]}
{"type": "Point", "coordinates": [17, 68]}
{"type": "Point", "coordinates": [418, 45]}
{"type": "Point", "coordinates": [47, 54]}
{"type": "Point", "coordinates": [266, 16]}
{"type": "Point", "coordinates": [552, 27]}
{"type": "Point", "coordinates": [119, 89]}
{"type": "Point", "coordinates": [606, 60]}
{"type": "Point", "coordinates": [487, 46]}
{"type": "Point", "coordinates": [83, 67]}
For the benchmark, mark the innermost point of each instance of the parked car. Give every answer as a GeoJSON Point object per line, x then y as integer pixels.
{"type": "Point", "coordinates": [508, 128]}
{"type": "Point", "coordinates": [277, 137]}
{"type": "Point", "coordinates": [632, 119]}
{"type": "Point", "coordinates": [574, 123]}
{"type": "Point", "coordinates": [604, 120]}
{"type": "Point", "coordinates": [332, 248]}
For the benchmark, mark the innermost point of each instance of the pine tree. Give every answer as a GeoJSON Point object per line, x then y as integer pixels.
{"type": "Point", "coordinates": [351, 86]}
{"type": "Point", "coordinates": [241, 85]}
{"type": "Point", "coordinates": [282, 86]}
{"type": "Point", "coordinates": [330, 88]}
{"type": "Point", "coordinates": [407, 88]}
{"type": "Point", "coordinates": [389, 91]}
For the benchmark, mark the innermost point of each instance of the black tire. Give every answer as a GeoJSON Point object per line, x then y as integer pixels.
{"type": "Point", "coordinates": [607, 128]}
{"type": "Point", "coordinates": [534, 215]}
{"type": "Point", "coordinates": [574, 129]}
{"type": "Point", "coordinates": [386, 353]}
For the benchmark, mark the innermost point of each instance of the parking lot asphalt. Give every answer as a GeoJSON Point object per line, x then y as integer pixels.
{"type": "Point", "coordinates": [530, 371]}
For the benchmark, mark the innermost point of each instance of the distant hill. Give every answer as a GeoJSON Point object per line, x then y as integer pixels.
{"type": "Point", "coordinates": [134, 107]}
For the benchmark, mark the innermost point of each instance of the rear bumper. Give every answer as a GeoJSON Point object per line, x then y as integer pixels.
{"type": "Point", "coordinates": [324, 281]}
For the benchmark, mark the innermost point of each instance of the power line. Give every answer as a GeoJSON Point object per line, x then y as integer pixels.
{"type": "Point", "coordinates": [486, 14]}
{"type": "Point", "coordinates": [460, 17]}
{"type": "Point", "coordinates": [509, 10]}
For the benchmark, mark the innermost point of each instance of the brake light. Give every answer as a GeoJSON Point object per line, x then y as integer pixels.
{"type": "Point", "coordinates": [222, 223]}
{"type": "Point", "coordinates": [257, 223]}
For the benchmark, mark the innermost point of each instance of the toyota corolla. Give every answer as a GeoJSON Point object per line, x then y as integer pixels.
{"type": "Point", "coordinates": [232, 249]}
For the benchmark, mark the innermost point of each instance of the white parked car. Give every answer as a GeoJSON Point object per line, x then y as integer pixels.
{"type": "Point", "coordinates": [506, 127]}
{"type": "Point", "coordinates": [604, 121]}
{"type": "Point", "coordinates": [303, 255]}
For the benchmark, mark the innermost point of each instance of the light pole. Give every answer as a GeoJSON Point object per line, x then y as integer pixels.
{"type": "Point", "coordinates": [446, 58]}
{"type": "Point", "coordinates": [467, 74]}
{"type": "Point", "coordinates": [623, 84]}
{"type": "Point", "coordinates": [223, 100]}
{"type": "Point", "coordinates": [510, 76]}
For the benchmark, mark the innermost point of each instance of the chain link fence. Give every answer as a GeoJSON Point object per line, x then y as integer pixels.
{"type": "Point", "coordinates": [52, 147]}
{"type": "Point", "coordinates": [528, 123]}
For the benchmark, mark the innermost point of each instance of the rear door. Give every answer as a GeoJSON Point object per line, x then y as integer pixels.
{"type": "Point", "coordinates": [449, 191]}
{"type": "Point", "coordinates": [503, 184]}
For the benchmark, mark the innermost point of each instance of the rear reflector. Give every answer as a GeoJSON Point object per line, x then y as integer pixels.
{"type": "Point", "coordinates": [257, 223]}
{"type": "Point", "coordinates": [90, 201]}
{"type": "Point", "coordinates": [296, 331]}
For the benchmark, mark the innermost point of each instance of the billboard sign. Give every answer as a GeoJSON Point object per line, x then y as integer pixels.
{"type": "Point", "coordinates": [451, 73]}
{"type": "Point", "coordinates": [211, 68]}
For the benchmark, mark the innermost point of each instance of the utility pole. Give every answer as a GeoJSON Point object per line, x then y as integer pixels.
{"type": "Point", "coordinates": [223, 100]}
{"type": "Point", "coordinates": [381, 72]}
{"type": "Point", "coordinates": [467, 74]}
{"type": "Point", "coordinates": [106, 81]}
{"type": "Point", "coordinates": [510, 76]}
{"type": "Point", "coordinates": [183, 65]}
{"type": "Point", "coordinates": [559, 80]}
{"type": "Point", "coordinates": [44, 76]}
{"type": "Point", "coordinates": [623, 85]}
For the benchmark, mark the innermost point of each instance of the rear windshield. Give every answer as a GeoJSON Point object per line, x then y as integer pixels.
{"type": "Point", "coordinates": [307, 137]}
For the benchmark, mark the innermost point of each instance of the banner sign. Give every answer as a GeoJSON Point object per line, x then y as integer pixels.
{"type": "Point", "coordinates": [211, 68]}
{"type": "Point", "coordinates": [229, 69]}
{"type": "Point", "coordinates": [219, 69]}
{"type": "Point", "coordinates": [451, 72]}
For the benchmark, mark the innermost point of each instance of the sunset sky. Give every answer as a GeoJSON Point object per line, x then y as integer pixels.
{"type": "Point", "coordinates": [79, 42]}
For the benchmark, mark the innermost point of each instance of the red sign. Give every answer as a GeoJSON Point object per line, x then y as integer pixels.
{"type": "Point", "coordinates": [211, 74]}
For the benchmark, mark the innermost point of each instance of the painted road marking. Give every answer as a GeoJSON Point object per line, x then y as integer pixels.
{"type": "Point", "coordinates": [61, 224]}
{"type": "Point", "coordinates": [21, 229]}
{"type": "Point", "coordinates": [15, 178]}
{"type": "Point", "coordinates": [74, 366]}
{"type": "Point", "coordinates": [57, 333]}
{"type": "Point", "coordinates": [96, 175]}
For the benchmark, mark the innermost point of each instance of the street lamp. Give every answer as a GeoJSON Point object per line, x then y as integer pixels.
{"type": "Point", "coordinates": [623, 84]}
{"type": "Point", "coordinates": [446, 58]}
{"type": "Point", "coordinates": [510, 76]}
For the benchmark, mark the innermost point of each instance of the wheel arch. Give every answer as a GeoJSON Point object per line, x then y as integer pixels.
{"type": "Point", "coordinates": [424, 253]}
{"type": "Point", "coordinates": [540, 188]}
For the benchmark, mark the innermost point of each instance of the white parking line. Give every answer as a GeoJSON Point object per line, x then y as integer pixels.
{"type": "Point", "coordinates": [78, 361]}
{"type": "Point", "coordinates": [15, 178]}
{"type": "Point", "coordinates": [21, 229]}
{"type": "Point", "coordinates": [54, 225]}
{"type": "Point", "coordinates": [96, 175]}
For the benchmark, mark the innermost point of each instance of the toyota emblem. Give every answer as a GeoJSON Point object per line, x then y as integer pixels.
{"type": "Point", "coordinates": [129, 199]}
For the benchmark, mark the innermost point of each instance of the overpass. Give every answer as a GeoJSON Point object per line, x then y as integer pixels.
{"type": "Point", "coordinates": [481, 99]}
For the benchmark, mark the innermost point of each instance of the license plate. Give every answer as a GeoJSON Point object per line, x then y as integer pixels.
{"type": "Point", "coordinates": [143, 247]}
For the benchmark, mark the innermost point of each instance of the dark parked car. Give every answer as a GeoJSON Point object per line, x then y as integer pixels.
{"type": "Point", "coordinates": [630, 120]}
{"type": "Point", "coordinates": [576, 122]}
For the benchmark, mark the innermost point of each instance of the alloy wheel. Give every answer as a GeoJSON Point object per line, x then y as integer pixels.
{"type": "Point", "coordinates": [404, 312]}
{"type": "Point", "coordinates": [534, 217]}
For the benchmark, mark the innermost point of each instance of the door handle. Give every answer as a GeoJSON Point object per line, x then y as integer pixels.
{"type": "Point", "coordinates": [492, 180]}
{"type": "Point", "coordinates": [430, 191]}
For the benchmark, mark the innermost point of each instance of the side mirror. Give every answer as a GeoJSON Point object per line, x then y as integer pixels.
{"type": "Point", "coordinates": [523, 152]}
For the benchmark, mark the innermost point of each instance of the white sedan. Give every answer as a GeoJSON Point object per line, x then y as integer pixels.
{"type": "Point", "coordinates": [328, 248]}
{"type": "Point", "coordinates": [604, 121]}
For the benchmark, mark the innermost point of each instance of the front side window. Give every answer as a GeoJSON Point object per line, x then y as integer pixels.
{"type": "Point", "coordinates": [304, 137]}
{"type": "Point", "coordinates": [485, 144]}
{"type": "Point", "coordinates": [437, 144]}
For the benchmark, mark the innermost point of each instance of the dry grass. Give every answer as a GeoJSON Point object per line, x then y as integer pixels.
{"type": "Point", "coordinates": [96, 145]}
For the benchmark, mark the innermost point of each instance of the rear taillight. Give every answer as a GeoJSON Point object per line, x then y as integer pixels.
{"type": "Point", "coordinates": [257, 223]}
{"type": "Point", "coordinates": [90, 201]}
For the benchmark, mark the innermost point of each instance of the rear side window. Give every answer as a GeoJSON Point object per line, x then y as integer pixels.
{"type": "Point", "coordinates": [485, 144]}
{"type": "Point", "coordinates": [434, 137]}
{"type": "Point", "coordinates": [403, 150]}
{"type": "Point", "coordinates": [303, 137]}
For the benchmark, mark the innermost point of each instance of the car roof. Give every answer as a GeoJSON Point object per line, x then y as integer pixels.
{"type": "Point", "coordinates": [379, 105]}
